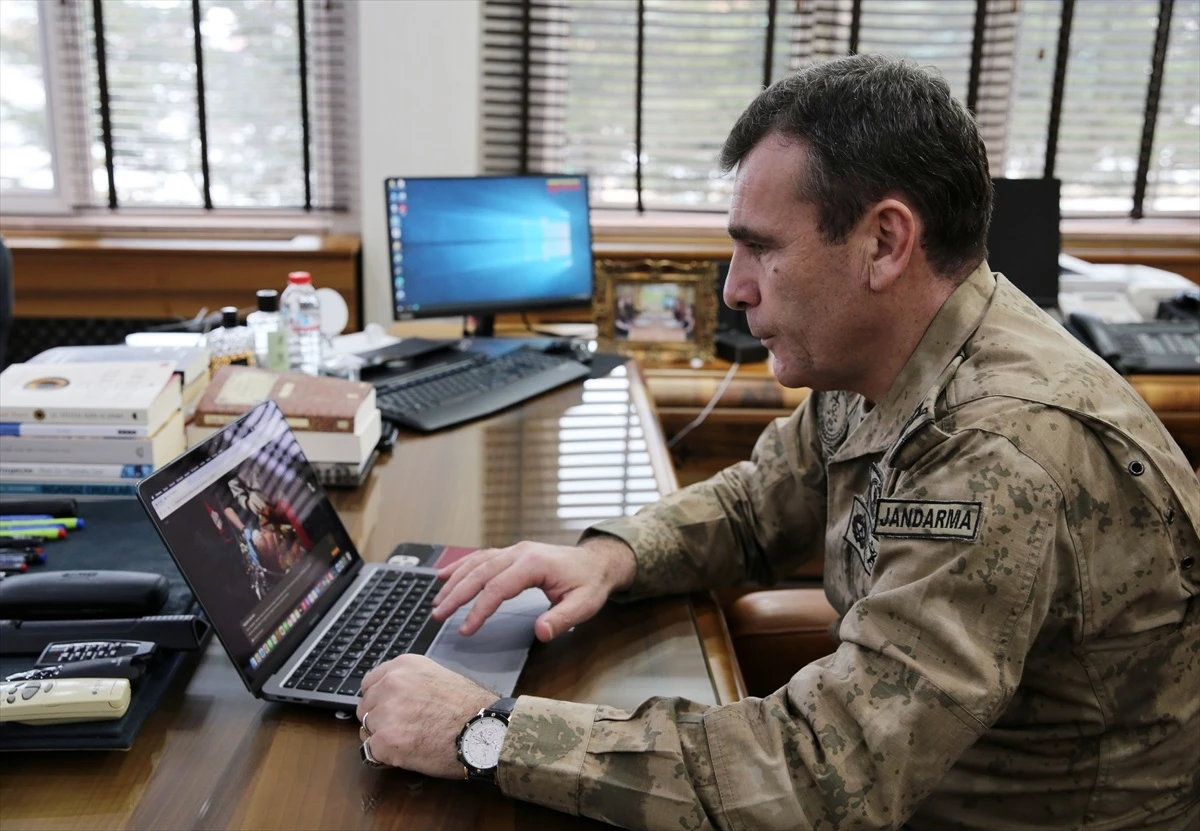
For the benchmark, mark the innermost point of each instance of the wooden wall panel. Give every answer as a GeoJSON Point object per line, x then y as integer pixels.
{"type": "Point", "coordinates": [114, 277]}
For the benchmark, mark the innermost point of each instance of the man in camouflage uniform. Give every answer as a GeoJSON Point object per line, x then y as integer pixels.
{"type": "Point", "coordinates": [1009, 533]}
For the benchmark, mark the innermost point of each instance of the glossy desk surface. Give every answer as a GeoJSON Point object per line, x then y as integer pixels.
{"type": "Point", "coordinates": [215, 757]}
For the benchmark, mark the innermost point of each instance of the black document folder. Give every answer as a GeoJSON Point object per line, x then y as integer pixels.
{"type": "Point", "coordinates": [118, 535]}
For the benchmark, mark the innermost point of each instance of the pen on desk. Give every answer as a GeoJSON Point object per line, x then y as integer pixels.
{"type": "Point", "coordinates": [32, 556]}
{"type": "Point", "coordinates": [41, 507]}
{"type": "Point", "coordinates": [8, 562]}
{"type": "Point", "coordinates": [19, 542]}
{"type": "Point", "coordinates": [27, 532]}
{"type": "Point", "coordinates": [39, 522]}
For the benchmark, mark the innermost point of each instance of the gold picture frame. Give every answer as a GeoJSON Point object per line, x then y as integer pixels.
{"type": "Point", "coordinates": [657, 310]}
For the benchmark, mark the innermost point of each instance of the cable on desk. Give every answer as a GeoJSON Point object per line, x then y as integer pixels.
{"type": "Point", "coordinates": [708, 408]}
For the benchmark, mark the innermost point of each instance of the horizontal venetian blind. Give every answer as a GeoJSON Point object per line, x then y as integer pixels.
{"type": "Point", "coordinates": [1174, 166]}
{"type": "Point", "coordinates": [1126, 137]}
{"type": "Point", "coordinates": [640, 94]}
{"type": "Point", "coordinates": [208, 103]}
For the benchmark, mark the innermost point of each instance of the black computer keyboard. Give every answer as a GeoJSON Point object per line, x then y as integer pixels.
{"type": "Point", "coordinates": [474, 388]}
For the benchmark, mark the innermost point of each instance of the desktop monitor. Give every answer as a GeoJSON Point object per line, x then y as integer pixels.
{"type": "Point", "coordinates": [1023, 240]}
{"type": "Point", "coordinates": [483, 245]}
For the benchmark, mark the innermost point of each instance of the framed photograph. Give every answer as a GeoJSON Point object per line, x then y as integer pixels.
{"type": "Point", "coordinates": [657, 309]}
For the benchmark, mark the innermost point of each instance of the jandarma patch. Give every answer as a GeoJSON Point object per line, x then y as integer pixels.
{"type": "Point", "coordinates": [928, 519]}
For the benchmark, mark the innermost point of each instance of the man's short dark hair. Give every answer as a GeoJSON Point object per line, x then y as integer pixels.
{"type": "Point", "coordinates": [875, 125]}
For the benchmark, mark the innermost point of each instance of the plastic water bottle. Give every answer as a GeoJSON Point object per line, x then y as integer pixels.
{"type": "Point", "coordinates": [302, 320]}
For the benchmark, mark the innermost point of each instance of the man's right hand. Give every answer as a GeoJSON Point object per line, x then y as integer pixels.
{"type": "Point", "coordinates": [577, 580]}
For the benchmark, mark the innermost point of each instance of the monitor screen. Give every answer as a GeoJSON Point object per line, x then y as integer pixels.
{"type": "Point", "coordinates": [482, 245]}
{"type": "Point", "coordinates": [1024, 240]}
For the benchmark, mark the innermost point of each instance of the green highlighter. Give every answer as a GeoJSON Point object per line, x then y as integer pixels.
{"type": "Point", "coordinates": [56, 532]}
{"type": "Point", "coordinates": [62, 522]}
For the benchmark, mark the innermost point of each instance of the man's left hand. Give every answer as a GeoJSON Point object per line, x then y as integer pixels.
{"type": "Point", "coordinates": [417, 709]}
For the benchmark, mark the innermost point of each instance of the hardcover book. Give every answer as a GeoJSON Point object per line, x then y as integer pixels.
{"type": "Point", "coordinates": [311, 403]}
{"type": "Point", "coordinates": [330, 448]}
{"type": "Point", "coordinates": [133, 392]}
{"type": "Point", "coordinates": [191, 362]}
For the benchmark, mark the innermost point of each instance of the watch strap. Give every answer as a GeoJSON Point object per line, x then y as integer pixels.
{"type": "Point", "coordinates": [502, 708]}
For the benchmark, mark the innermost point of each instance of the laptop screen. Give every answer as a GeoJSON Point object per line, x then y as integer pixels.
{"type": "Point", "coordinates": [255, 536]}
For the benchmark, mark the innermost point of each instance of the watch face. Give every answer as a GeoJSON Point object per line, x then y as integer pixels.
{"type": "Point", "coordinates": [481, 742]}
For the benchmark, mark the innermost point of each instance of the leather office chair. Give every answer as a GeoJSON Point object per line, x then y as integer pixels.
{"type": "Point", "coordinates": [777, 631]}
{"type": "Point", "coordinates": [6, 297]}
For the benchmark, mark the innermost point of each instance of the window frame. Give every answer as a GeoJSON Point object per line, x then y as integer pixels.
{"type": "Point", "coordinates": [58, 201]}
{"type": "Point", "coordinates": [63, 210]}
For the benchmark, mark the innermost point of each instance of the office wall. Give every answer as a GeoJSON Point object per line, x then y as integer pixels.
{"type": "Point", "coordinates": [418, 68]}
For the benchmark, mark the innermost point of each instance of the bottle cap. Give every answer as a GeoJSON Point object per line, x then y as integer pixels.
{"type": "Point", "coordinates": [300, 277]}
{"type": "Point", "coordinates": [229, 317]}
{"type": "Point", "coordinates": [268, 300]}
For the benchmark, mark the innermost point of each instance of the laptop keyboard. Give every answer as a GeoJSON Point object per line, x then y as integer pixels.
{"type": "Point", "coordinates": [384, 621]}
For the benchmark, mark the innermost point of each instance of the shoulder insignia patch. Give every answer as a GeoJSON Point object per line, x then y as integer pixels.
{"type": "Point", "coordinates": [832, 420]}
{"type": "Point", "coordinates": [928, 519]}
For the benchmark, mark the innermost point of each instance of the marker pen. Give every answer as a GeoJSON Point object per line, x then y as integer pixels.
{"type": "Point", "coordinates": [39, 522]}
{"type": "Point", "coordinates": [19, 542]}
{"type": "Point", "coordinates": [13, 562]}
{"type": "Point", "coordinates": [26, 532]}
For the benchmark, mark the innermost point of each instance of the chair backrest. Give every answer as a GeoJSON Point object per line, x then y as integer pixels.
{"type": "Point", "coordinates": [6, 297]}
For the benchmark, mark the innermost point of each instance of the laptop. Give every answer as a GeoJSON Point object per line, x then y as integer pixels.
{"type": "Point", "coordinates": [299, 613]}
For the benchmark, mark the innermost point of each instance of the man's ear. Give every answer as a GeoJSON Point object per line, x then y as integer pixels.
{"type": "Point", "coordinates": [893, 229]}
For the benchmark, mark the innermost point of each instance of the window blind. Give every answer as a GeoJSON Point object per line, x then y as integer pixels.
{"type": "Point", "coordinates": [639, 94]}
{"type": "Point", "coordinates": [214, 104]}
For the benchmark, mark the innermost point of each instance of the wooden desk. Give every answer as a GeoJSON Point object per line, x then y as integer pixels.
{"type": "Point", "coordinates": [214, 757]}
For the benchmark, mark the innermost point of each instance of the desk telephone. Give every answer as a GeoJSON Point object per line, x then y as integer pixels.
{"type": "Point", "coordinates": [1157, 346]}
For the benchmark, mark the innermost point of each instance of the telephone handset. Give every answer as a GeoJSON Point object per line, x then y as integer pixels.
{"type": "Point", "coordinates": [1096, 335]}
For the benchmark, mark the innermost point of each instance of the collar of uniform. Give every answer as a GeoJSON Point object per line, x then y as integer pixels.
{"type": "Point", "coordinates": [959, 316]}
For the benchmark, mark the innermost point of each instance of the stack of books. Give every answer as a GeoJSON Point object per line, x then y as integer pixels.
{"type": "Point", "coordinates": [87, 429]}
{"type": "Point", "coordinates": [335, 420]}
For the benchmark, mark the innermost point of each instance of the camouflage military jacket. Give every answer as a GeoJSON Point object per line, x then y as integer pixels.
{"type": "Point", "coordinates": [1011, 538]}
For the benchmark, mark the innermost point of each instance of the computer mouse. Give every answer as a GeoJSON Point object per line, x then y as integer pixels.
{"type": "Point", "coordinates": [575, 349]}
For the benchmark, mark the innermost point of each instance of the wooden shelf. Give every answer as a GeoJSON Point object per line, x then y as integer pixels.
{"type": "Point", "coordinates": [89, 276]}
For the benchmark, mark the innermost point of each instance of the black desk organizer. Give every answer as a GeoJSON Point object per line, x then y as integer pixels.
{"type": "Point", "coordinates": [118, 535]}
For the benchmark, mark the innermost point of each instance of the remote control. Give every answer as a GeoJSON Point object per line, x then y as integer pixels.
{"type": "Point", "coordinates": [96, 668]}
{"type": "Point", "coordinates": [57, 654]}
{"type": "Point", "coordinates": [63, 701]}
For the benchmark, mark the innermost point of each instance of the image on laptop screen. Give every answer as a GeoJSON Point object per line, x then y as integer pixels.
{"type": "Point", "coordinates": [254, 534]}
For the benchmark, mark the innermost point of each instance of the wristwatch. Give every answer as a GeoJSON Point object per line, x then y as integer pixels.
{"type": "Point", "coordinates": [480, 740]}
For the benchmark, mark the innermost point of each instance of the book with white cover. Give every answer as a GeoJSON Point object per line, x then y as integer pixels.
{"type": "Point", "coordinates": [133, 392]}
{"type": "Point", "coordinates": [62, 471]}
{"type": "Point", "coordinates": [68, 430]}
{"type": "Point", "coordinates": [154, 450]}
{"type": "Point", "coordinates": [191, 362]}
{"type": "Point", "coordinates": [108, 488]}
{"type": "Point", "coordinates": [346, 448]}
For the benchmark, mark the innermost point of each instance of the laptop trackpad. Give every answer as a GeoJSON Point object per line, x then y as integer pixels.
{"type": "Point", "coordinates": [494, 655]}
